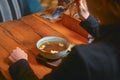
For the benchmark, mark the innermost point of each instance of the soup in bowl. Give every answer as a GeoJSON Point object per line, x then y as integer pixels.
{"type": "Point", "coordinates": [53, 47]}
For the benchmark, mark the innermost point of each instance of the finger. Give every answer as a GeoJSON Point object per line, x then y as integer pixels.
{"type": "Point", "coordinates": [85, 3]}
{"type": "Point", "coordinates": [17, 48]}
{"type": "Point", "coordinates": [11, 59]}
{"type": "Point", "coordinates": [14, 51]}
{"type": "Point", "coordinates": [19, 55]}
{"type": "Point", "coordinates": [18, 51]}
{"type": "Point", "coordinates": [15, 57]}
{"type": "Point", "coordinates": [82, 4]}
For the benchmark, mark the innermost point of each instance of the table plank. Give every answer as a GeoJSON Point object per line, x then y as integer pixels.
{"type": "Point", "coordinates": [12, 35]}
{"type": "Point", "coordinates": [59, 30]}
{"type": "Point", "coordinates": [4, 63]}
{"type": "Point", "coordinates": [40, 27]}
{"type": "Point", "coordinates": [21, 33]}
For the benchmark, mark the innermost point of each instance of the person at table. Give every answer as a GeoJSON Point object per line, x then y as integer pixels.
{"type": "Point", "coordinates": [92, 29]}
{"type": "Point", "coordinates": [15, 9]}
{"type": "Point", "coordinates": [98, 60]}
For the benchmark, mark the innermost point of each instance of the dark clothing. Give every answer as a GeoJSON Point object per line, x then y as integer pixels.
{"type": "Point", "coordinates": [91, 25]}
{"type": "Point", "coordinates": [22, 71]}
{"type": "Point", "coordinates": [96, 61]}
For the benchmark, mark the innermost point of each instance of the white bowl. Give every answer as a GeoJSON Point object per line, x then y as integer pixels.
{"type": "Point", "coordinates": [56, 55]}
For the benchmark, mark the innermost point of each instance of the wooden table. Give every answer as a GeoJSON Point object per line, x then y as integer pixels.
{"type": "Point", "coordinates": [24, 33]}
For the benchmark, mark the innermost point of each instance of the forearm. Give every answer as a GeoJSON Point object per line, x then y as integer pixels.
{"type": "Point", "coordinates": [22, 71]}
{"type": "Point", "coordinates": [91, 25]}
{"type": "Point", "coordinates": [72, 68]}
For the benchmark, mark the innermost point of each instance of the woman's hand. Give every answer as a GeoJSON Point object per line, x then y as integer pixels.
{"type": "Point", "coordinates": [18, 54]}
{"type": "Point", "coordinates": [82, 9]}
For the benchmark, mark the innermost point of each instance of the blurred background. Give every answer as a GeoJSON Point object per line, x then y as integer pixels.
{"type": "Point", "coordinates": [48, 3]}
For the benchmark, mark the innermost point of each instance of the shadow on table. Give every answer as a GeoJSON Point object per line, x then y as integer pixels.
{"type": "Point", "coordinates": [2, 77]}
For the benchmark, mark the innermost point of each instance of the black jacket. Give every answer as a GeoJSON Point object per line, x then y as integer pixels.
{"type": "Point", "coordinates": [95, 61]}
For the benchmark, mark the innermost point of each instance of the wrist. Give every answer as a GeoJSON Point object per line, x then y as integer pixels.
{"type": "Point", "coordinates": [86, 16]}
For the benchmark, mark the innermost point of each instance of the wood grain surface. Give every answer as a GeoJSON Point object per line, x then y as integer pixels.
{"type": "Point", "coordinates": [24, 33]}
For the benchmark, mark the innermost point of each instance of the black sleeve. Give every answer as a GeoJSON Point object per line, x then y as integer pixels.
{"type": "Point", "coordinates": [22, 71]}
{"type": "Point", "coordinates": [72, 68]}
{"type": "Point", "coordinates": [91, 25]}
